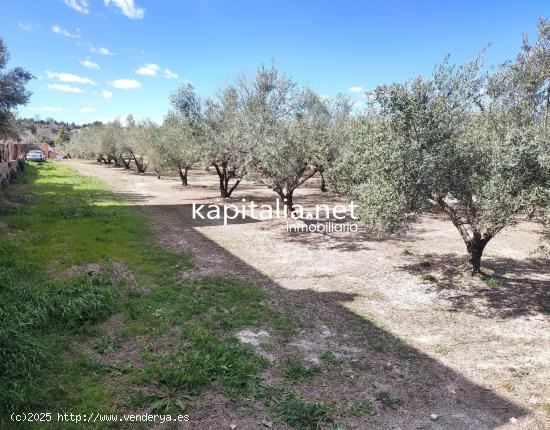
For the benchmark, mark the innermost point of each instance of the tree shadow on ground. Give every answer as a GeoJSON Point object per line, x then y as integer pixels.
{"type": "Point", "coordinates": [383, 362]}
{"type": "Point", "coordinates": [507, 288]}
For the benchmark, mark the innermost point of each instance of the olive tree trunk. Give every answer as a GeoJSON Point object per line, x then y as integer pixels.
{"type": "Point", "coordinates": [182, 171]}
{"type": "Point", "coordinates": [324, 188]}
{"type": "Point", "coordinates": [225, 175]}
{"type": "Point", "coordinates": [140, 164]}
{"type": "Point", "coordinates": [475, 240]}
{"type": "Point", "coordinates": [125, 162]}
{"type": "Point", "coordinates": [287, 199]}
{"type": "Point", "coordinates": [475, 247]}
{"type": "Point", "coordinates": [286, 190]}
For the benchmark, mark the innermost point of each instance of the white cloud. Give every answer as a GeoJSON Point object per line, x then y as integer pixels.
{"type": "Point", "coordinates": [27, 26]}
{"type": "Point", "coordinates": [148, 70]}
{"type": "Point", "coordinates": [87, 109]}
{"type": "Point", "coordinates": [81, 6]}
{"type": "Point", "coordinates": [356, 90]}
{"type": "Point", "coordinates": [58, 30]}
{"type": "Point", "coordinates": [52, 109]}
{"type": "Point", "coordinates": [170, 75]}
{"type": "Point", "coordinates": [65, 88]}
{"type": "Point", "coordinates": [89, 64]}
{"type": "Point", "coordinates": [69, 77]}
{"type": "Point", "coordinates": [106, 94]}
{"type": "Point", "coordinates": [102, 51]}
{"type": "Point", "coordinates": [128, 8]}
{"type": "Point", "coordinates": [125, 84]}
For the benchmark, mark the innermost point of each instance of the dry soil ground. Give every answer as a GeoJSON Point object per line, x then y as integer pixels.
{"type": "Point", "coordinates": [475, 353]}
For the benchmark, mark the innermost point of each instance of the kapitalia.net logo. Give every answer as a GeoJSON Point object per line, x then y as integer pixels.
{"type": "Point", "coordinates": [321, 218]}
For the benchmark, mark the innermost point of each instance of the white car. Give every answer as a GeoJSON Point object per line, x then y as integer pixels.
{"type": "Point", "coordinates": [35, 155]}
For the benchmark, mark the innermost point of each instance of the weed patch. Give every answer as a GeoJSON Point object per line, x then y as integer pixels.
{"type": "Point", "coordinates": [330, 358]}
{"type": "Point", "coordinates": [294, 369]}
{"type": "Point", "coordinates": [440, 349]}
{"type": "Point", "coordinates": [491, 281]}
{"type": "Point", "coordinates": [387, 400]}
{"type": "Point", "coordinates": [295, 410]}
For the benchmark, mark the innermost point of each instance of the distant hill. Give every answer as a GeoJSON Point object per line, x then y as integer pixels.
{"type": "Point", "coordinates": [43, 130]}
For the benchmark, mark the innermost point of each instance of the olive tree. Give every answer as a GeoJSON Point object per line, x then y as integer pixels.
{"type": "Point", "coordinates": [216, 126]}
{"type": "Point", "coordinates": [474, 146]}
{"type": "Point", "coordinates": [176, 146]}
{"type": "Point", "coordinates": [293, 132]}
{"type": "Point", "coordinates": [144, 135]}
{"type": "Point", "coordinates": [12, 92]}
{"type": "Point", "coordinates": [224, 146]}
{"type": "Point", "coordinates": [126, 144]}
{"type": "Point", "coordinates": [96, 140]}
{"type": "Point", "coordinates": [83, 142]}
{"type": "Point", "coordinates": [107, 138]}
{"type": "Point", "coordinates": [136, 142]}
{"type": "Point", "coordinates": [99, 141]}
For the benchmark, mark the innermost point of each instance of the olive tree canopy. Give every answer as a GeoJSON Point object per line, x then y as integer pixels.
{"type": "Point", "coordinates": [215, 124]}
{"type": "Point", "coordinates": [176, 146]}
{"type": "Point", "coordinates": [473, 145]}
{"type": "Point", "coordinates": [292, 131]}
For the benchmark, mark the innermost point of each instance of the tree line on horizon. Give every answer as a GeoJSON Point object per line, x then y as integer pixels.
{"type": "Point", "coordinates": [471, 143]}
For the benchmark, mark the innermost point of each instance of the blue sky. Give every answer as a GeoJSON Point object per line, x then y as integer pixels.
{"type": "Point", "coordinates": [333, 46]}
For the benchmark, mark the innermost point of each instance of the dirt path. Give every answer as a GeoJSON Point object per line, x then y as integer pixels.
{"type": "Point", "coordinates": [475, 354]}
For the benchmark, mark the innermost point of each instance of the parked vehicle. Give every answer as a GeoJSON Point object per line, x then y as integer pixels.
{"type": "Point", "coordinates": [35, 155]}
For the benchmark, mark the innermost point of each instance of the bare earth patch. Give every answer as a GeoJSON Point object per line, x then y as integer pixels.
{"type": "Point", "coordinates": [399, 314]}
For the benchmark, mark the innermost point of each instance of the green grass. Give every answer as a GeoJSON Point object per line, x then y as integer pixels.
{"type": "Point", "coordinates": [428, 277]}
{"type": "Point", "coordinates": [330, 358]}
{"type": "Point", "coordinates": [67, 220]}
{"type": "Point", "coordinates": [543, 406]}
{"type": "Point", "coordinates": [295, 410]}
{"type": "Point", "coordinates": [52, 323]}
{"type": "Point", "coordinates": [205, 310]}
{"type": "Point", "coordinates": [491, 281]}
{"type": "Point", "coordinates": [106, 344]}
{"type": "Point", "coordinates": [293, 369]}
{"type": "Point", "coordinates": [440, 349]}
